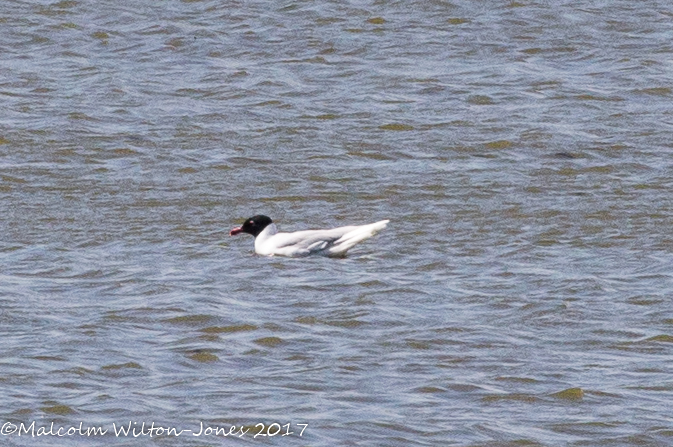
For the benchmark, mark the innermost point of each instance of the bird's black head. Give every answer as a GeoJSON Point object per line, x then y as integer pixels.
{"type": "Point", "coordinates": [253, 225]}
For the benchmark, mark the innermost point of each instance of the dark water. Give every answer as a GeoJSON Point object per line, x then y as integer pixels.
{"type": "Point", "coordinates": [521, 295]}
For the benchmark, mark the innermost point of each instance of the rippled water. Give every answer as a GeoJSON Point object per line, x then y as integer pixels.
{"type": "Point", "coordinates": [519, 297]}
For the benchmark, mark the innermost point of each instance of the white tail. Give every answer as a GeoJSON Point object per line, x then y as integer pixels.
{"type": "Point", "coordinates": [348, 240]}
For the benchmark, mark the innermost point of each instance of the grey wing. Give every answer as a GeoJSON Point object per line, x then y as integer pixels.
{"type": "Point", "coordinates": [312, 240]}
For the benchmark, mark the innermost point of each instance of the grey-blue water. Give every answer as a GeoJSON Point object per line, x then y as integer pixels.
{"type": "Point", "coordinates": [520, 296]}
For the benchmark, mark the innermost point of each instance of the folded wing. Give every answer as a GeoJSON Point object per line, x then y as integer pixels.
{"type": "Point", "coordinates": [335, 242]}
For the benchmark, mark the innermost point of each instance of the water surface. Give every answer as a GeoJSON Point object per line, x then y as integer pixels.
{"type": "Point", "coordinates": [518, 297]}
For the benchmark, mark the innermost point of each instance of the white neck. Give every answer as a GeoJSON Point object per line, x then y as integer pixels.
{"type": "Point", "coordinates": [269, 231]}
